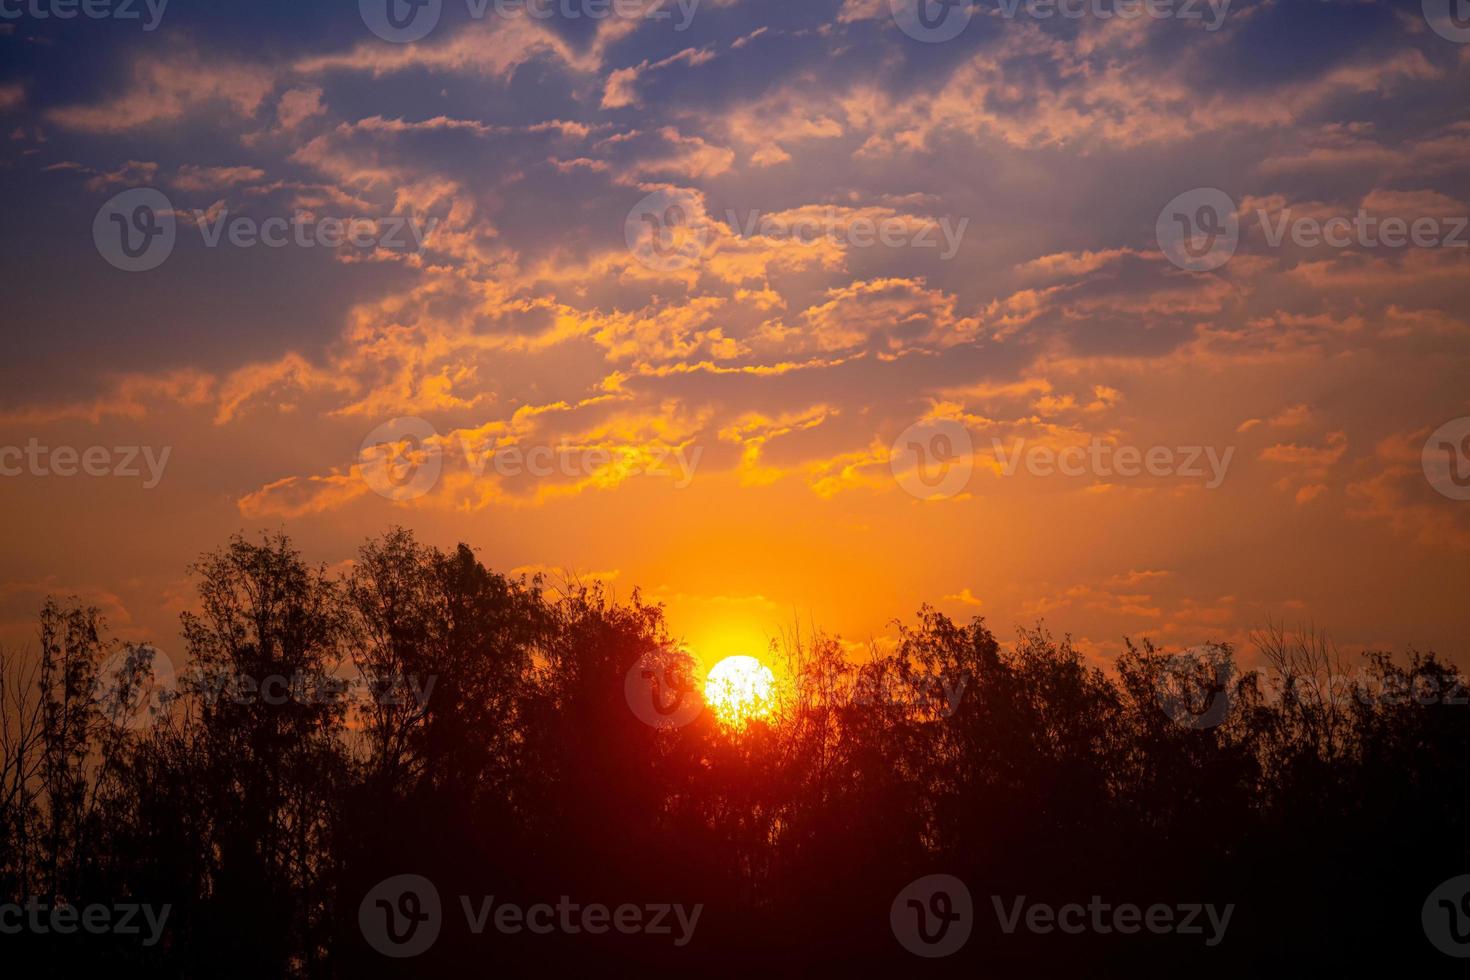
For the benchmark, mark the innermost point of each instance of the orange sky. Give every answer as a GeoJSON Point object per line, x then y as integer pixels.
{"type": "Point", "coordinates": [1040, 161]}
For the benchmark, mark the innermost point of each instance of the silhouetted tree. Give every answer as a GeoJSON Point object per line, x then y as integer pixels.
{"type": "Point", "coordinates": [424, 714]}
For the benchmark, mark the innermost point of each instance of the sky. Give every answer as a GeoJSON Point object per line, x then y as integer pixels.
{"type": "Point", "coordinates": [1134, 321]}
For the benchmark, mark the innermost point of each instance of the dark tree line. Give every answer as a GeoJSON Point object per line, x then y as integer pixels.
{"type": "Point", "coordinates": [488, 745]}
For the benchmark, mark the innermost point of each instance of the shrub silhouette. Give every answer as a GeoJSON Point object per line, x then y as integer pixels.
{"type": "Point", "coordinates": [448, 721]}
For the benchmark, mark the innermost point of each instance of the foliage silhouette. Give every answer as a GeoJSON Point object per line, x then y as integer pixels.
{"type": "Point", "coordinates": [443, 720]}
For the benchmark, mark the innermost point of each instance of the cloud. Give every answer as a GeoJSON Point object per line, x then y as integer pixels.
{"type": "Point", "coordinates": [526, 320]}
{"type": "Point", "coordinates": [133, 173]}
{"type": "Point", "coordinates": [1395, 492]}
{"type": "Point", "coordinates": [166, 89]}
{"type": "Point", "coordinates": [296, 497]}
{"type": "Point", "coordinates": [298, 105]}
{"type": "Point", "coordinates": [132, 397]}
{"type": "Point", "coordinates": [890, 312]}
{"type": "Point", "coordinates": [192, 177]}
{"type": "Point", "coordinates": [621, 90]}
{"type": "Point", "coordinates": [493, 47]}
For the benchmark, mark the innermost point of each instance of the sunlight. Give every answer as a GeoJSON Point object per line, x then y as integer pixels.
{"type": "Point", "coordinates": [740, 689]}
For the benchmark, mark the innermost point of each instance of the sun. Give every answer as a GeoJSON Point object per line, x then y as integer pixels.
{"type": "Point", "coordinates": [740, 689]}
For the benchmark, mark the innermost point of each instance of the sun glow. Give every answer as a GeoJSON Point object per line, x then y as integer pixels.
{"type": "Point", "coordinates": [740, 689]}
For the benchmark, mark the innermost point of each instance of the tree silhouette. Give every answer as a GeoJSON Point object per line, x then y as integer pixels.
{"type": "Point", "coordinates": [421, 714]}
